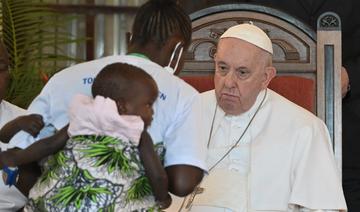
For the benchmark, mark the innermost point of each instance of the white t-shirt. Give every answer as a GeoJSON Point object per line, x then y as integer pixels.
{"type": "Point", "coordinates": [284, 159]}
{"type": "Point", "coordinates": [9, 112]}
{"type": "Point", "coordinates": [171, 124]}
{"type": "Point", "coordinates": [11, 199]}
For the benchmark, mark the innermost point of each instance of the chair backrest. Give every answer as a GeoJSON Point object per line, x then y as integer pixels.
{"type": "Point", "coordinates": [299, 90]}
{"type": "Point", "coordinates": [308, 63]}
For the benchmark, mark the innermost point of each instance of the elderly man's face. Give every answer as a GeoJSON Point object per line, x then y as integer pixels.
{"type": "Point", "coordinates": [241, 73]}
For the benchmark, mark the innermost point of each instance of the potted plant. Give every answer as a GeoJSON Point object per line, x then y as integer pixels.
{"type": "Point", "coordinates": [35, 36]}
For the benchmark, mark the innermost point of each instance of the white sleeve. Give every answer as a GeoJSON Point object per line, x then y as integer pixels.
{"type": "Point", "coordinates": [40, 105]}
{"type": "Point", "coordinates": [316, 182]}
{"type": "Point", "coordinates": [296, 208]}
{"type": "Point", "coordinates": [309, 210]}
{"type": "Point", "coordinates": [182, 138]}
{"type": "Point", "coordinates": [302, 209]}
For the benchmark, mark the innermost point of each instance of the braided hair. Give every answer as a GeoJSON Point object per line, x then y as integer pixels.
{"type": "Point", "coordinates": [157, 20]}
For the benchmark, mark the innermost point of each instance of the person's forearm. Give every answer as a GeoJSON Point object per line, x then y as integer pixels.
{"type": "Point", "coordinates": [154, 171]}
{"type": "Point", "coordinates": [8, 131]}
{"type": "Point", "coordinates": [183, 179]}
{"type": "Point", "coordinates": [37, 150]}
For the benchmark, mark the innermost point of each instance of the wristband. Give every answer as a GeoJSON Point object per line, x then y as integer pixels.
{"type": "Point", "coordinates": [10, 175]}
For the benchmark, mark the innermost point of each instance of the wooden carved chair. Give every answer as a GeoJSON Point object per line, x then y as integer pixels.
{"type": "Point", "coordinates": [308, 62]}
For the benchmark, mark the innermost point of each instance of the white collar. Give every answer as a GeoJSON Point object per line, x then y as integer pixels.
{"type": "Point", "coordinates": [241, 118]}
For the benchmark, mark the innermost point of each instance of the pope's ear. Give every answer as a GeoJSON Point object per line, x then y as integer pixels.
{"type": "Point", "coordinates": [270, 73]}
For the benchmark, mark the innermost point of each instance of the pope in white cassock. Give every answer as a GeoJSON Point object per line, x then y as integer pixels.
{"type": "Point", "coordinates": [265, 152]}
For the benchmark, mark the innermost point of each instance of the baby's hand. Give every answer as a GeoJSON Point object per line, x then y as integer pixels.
{"type": "Point", "coordinates": [31, 123]}
{"type": "Point", "coordinates": [164, 203]}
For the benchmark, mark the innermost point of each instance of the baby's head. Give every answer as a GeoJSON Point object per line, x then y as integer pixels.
{"type": "Point", "coordinates": [133, 90]}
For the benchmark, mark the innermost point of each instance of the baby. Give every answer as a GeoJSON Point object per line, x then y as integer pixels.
{"type": "Point", "coordinates": [109, 162]}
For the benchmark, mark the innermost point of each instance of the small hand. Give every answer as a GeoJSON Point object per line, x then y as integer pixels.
{"type": "Point", "coordinates": [344, 82]}
{"type": "Point", "coordinates": [31, 123]}
{"type": "Point", "coordinates": [165, 203]}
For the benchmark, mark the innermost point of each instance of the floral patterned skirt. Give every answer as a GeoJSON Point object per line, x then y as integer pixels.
{"type": "Point", "coordinates": [93, 173]}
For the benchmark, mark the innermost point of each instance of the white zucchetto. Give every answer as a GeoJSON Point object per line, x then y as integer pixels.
{"type": "Point", "coordinates": [250, 33]}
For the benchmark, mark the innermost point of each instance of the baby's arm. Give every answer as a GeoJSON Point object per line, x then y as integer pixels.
{"type": "Point", "coordinates": [154, 171]}
{"type": "Point", "coordinates": [36, 151]}
{"type": "Point", "coordinates": [30, 123]}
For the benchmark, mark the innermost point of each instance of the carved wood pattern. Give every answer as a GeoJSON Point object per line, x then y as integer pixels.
{"type": "Point", "coordinates": [329, 21]}
{"type": "Point", "coordinates": [293, 50]}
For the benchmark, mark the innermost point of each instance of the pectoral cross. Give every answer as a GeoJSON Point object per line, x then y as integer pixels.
{"type": "Point", "coordinates": [197, 190]}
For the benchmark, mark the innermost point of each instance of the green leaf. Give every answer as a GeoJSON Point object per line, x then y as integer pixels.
{"type": "Point", "coordinates": [108, 152]}
{"type": "Point", "coordinates": [34, 36]}
{"type": "Point", "coordinates": [139, 189]}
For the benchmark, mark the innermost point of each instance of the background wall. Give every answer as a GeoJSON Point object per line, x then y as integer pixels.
{"type": "Point", "coordinates": [104, 22]}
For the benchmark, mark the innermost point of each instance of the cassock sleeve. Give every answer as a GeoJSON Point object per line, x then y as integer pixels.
{"type": "Point", "coordinates": [316, 180]}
